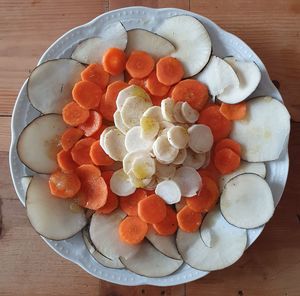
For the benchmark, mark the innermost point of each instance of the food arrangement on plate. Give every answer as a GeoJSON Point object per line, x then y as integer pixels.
{"type": "Point", "coordinates": [149, 144]}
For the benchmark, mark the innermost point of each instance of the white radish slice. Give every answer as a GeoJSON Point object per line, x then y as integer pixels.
{"type": "Point", "coordinates": [138, 183]}
{"type": "Point", "coordinates": [247, 201]}
{"type": "Point", "coordinates": [133, 110]}
{"type": "Point", "coordinates": [50, 84]}
{"type": "Point", "coordinates": [152, 185]}
{"type": "Point", "coordinates": [25, 181]}
{"type": "Point", "coordinates": [114, 142]}
{"type": "Point", "coordinates": [177, 113]}
{"type": "Point", "coordinates": [165, 124]}
{"type": "Point", "coordinates": [104, 235]}
{"type": "Point", "coordinates": [165, 171]}
{"type": "Point", "coordinates": [119, 123]}
{"type": "Point", "coordinates": [167, 109]}
{"type": "Point", "coordinates": [90, 51]}
{"type": "Point", "coordinates": [207, 159]}
{"type": "Point", "coordinates": [190, 39]}
{"type": "Point", "coordinates": [135, 142]}
{"type": "Point", "coordinates": [188, 180]}
{"type": "Point", "coordinates": [143, 167]}
{"type": "Point", "coordinates": [169, 191]}
{"type": "Point", "coordinates": [131, 156]}
{"type": "Point", "coordinates": [120, 184]}
{"type": "Point", "coordinates": [149, 127]}
{"type": "Point", "coordinates": [227, 243]}
{"type": "Point", "coordinates": [164, 244]}
{"type": "Point", "coordinates": [155, 113]}
{"type": "Point", "coordinates": [200, 138]}
{"type": "Point", "coordinates": [163, 150]}
{"type": "Point", "coordinates": [52, 217]}
{"type": "Point", "coordinates": [249, 77]}
{"type": "Point", "coordinates": [38, 143]}
{"type": "Point", "coordinates": [181, 156]}
{"type": "Point", "coordinates": [194, 160]}
{"type": "Point", "coordinates": [265, 130]}
{"type": "Point", "coordinates": [178, 137]}
{"type": "Point", "coordinates": [149, 262]}
{"type": "Point", "coordinates": [131, 91]}
{"type": "Point", "coordinates": [218, 76]}
{"type": "Point", "coordinates": [189, 114]}
{"type": "Point", "coordinates": [258, 168]}
{"type": "Point", "coordinates": [97, 255]}
{"type": "Point", "coordinates": [155, 45]}
{"type": "Point", "coordinates": [102, 136]}
{"type": "Point", "coordinates": [119, 77]}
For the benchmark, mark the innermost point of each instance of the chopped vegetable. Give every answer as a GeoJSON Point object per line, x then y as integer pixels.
{"type": "Point", "coordinates": [81, 151]}
{"type": "Point", "coordinates": [70, 137]}
{"type": "Point", "coordinates": [234, 111]}
{"type": "Point", "coordinates": [228, 143]}
{"type": "Point", "coordinates": [132, 230]}
{"type": "Point", "coordinates": [114, 61]}
{"type": "Point", "coordinates": [226, 160]}
{"type": "Point", "coordinates": [95, 73]}
{"type": "Point", "coordinates": [168, 225]}
{"type": "Point", "coordinates": [65, 161]}
{"type": "Point", "coordinates": [155, 87]}
{"type": "Point", "coordinates": [129, 204]}
{"type": "Point", "coordinates": [188, 220]}
{"type": "Point", "coordinates": [74, 115]}
{"type": "Point", "coordinates": [92, 124]}
{"type": "Point", "coordinates": [98, 155]}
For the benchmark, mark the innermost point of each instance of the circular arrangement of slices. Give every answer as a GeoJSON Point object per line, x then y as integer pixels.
{"type": "Point", "coordinates": [146, 143]}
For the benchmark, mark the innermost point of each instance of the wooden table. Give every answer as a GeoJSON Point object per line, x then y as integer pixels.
{"type": "Point", "coordinates": [29, 267]}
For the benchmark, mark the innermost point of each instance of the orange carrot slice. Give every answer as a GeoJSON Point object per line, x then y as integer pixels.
{"type": "Point", "coordinates": [152, 209]}
{"type": "Point", "coordinates": [189, 220]}
{"type": "Point", "coordinates": [64, 185]}
{"type": "Point", "coordinates": [95, 73]}
{"type": "Point", "coordinates": [81, 151]}
{"type": "Point", "coordinates": [191, 91]}
{"type": "Point", "coordinates": [169, 70]}
{"type": "Point", "coordinates": [114, 60]}
{"type": "Point", "coordinates": [219, 125]}
{"type": "Point", "coordinates": [168, 225]}
{"type": "Point", "coordinates": [155, 87]}
{"type": "Point", "coordinates": [210, 171]}
{"type": "Point", "coordinates": [74, 115]}
{"type": "Point", "coordinates": [87, 94]}
{"type": "Point", "coordinates": [132, 230]}
{"type": "Point", "coordinates": [98, 156]}
{"type": "Point", "coordinates": [226, 160]}
{"type": "Point", "coordinates": [129, 204]}
{"type": "Point", "coordinates": [156, 100]}
{"type": "Point", "coordinates": [97, 134]}
{"type": "Point", "coordinates": [70, 137]}
{"type": "Point", "coordinates": [234, 111]}
{"type": "Point", "coordinates": [139, 64]}
{"type": "Point", "coordinates": [228, 143]}
{"type": "Point", "coordinates": [65, 161]}
{"type": "Point", "coordinates": [139, 82]}
{"type": "Point", "coordinates": [92, 124]}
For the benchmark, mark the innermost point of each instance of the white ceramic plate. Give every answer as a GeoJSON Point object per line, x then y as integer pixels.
{"type": "Point", "coordinates": [224, 44]}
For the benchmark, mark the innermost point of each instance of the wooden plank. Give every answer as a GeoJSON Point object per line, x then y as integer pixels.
{"type": "Point", "coordinates": [4, 134]}
{"type": "Point", "coordinates": [183, 4]}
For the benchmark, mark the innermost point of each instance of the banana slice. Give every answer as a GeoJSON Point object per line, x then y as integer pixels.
{"type": "Point", "coordinates": [131, 91]}
{"type": "Point", "coordinates": [169, 191]}
{"type": "Point", "coordinates": [131, 156]}
{"type": "Point", "coordinates": [114, 141]}
{"type": "Point", "coordinates": [194, 160]}
{"type": "Point", "coordinates": [134, 141]}
{"type": "Point", "coordinates": [154, 112]}
{"type": "Point", "coordinates": [150, 127]}
{"type": "Point", "coordinates": [167, 109]}
{"type": "Point", "coordinates": [133, 109]}
{"type": "Point", "coordinates": [188, 180]}
{"type": "Point", "coordinates": [103, 134]}
{"type": "Point", "coordinates": [136, 182]}
{"type": "Point", "coordinates": [120, 184]}
{"type": "Point", "coordinates": [163, 150]}
{"type": "Point", "coordinates": [165, 171]}
{"type": "Point", "coordinates": [143, 167]}
{"type": "Point", "coordinates": [201, 138]}
{"type": "Point", "coordinates": [180, 157]}
{"type": "Point", "coordinates": [119, 123]}
{"type": "Point", "coordinates": [189, 114]}
{"type": "Point", "coordinates": [177, 113]}
{"type": "Point", "coordinates": [178, 137]}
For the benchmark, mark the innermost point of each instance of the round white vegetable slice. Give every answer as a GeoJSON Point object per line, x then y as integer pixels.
{"type": "Point", "coordinates": [178, 137]}
{"type": "Point", "coordinates": [90, 51]}
{"type": "Point", "coordinates": [120, 184]}
{"type": "Point", "coordinates": [201, 138]}
{"type": "Point", "coordinates": [207, 159]}
{"type": "Point", "coordinates": [265, 130]}
{"type": "Point", "coordinates": [38, 143]}
{"type": "Point", "coordinates": [114, 142]}
{"type": "Point", "coordinates": [247, 201]}
{"type": "Point", "coordinates": [190, 38]}
{"type": "Point", "coordinates": [131, 91]}
{"type": "Point", "coordinates": [150, 262]}
{"type": "Point", "coordinates": [167, 109]}
{"type": "Point", "coordinates": [189, 114]}
{"type": "Point", "coordinates": [52, 217]}
{"type": "Point", "coordinates": [50, 84]}
{"type": "Point", "coordinates": [218, 76]}
{"type": "Point", "coordinates": [188, 180]}
{"type": "Point", "coordinates": [143, 167]}
{"type": "Point", "coordinates": [165, 171]}
{"type": "Point", "coordinates": [25, 181]}
{"type": "Point", "coordinates": [149, 127]}
{"type": "Point", "coordinates": [169, 191]}
{"type": "Point", "coordinates": [131, 156]}
{"type": "Point", "coordinates": [155, 113]}
{"type": "Point", "coordinates": [152, 185]}
{"type": "Point", "coordinates": [177, 113]}
{"type": "Point", "coordinates": [227, 243]}
{"type": "Point", "coordinates": [249, 76]}
{"type": "Point", "coordinates": [97, 255]}
{"type": "Point", "coordinates": [258, 168]}
{"type": "Point", "coordinates": [194, 160]}
{"type": "Point", "coordinates": [163, 150]}
{"type": "Point", "coordinates": [133, 110]}
{"type": "Point", "coordinates": [138, 183]}
{"type": "Point", "coordinates": [135, 142]}
{"type": "Point", "coordinates": [181, 156]}
{"type": "Point", "coordinates": [103, 134]}
{"type": "Point", "coordinates": [165, 124]}
{"type": "Point", "coordinates": [119, 123]}
{"type": "Point", "coordinates": [105, 236]}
